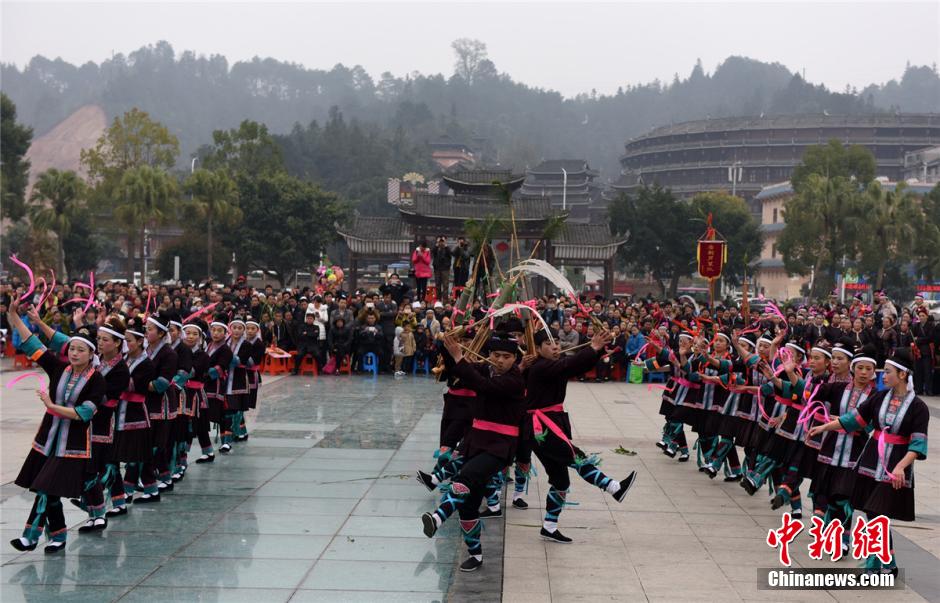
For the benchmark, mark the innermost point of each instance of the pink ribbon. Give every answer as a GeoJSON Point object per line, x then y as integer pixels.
{"type": "Point", "coordinates": [29, 271]}
{"type": "Point", "coordinates": [39, 376]}
{"type": "Point", "coordinates": [199, 312]}
{"type": "Point", "coordinates": [91, 290]}
{"type": "Point", "coordinates": [42, 299]}
{"type": "Point", "coordinates": [806, 415]}
{"type": "Point", "coordinates": [149, 297]}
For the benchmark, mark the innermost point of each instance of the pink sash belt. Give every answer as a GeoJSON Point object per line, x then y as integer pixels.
{"type": "Point", "coordinates": [540, 419]}
{"type": "Point", "coordinates": [508, 430]}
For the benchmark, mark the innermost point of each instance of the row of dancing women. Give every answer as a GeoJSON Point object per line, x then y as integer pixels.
{"type": "Point", "coordinates": [124, 399]}
{"type": "Point", "coordinates": [805, 417]}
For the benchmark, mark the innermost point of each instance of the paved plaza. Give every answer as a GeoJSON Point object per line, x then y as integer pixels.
{"type": "Point", "coordinates": [321, 505]}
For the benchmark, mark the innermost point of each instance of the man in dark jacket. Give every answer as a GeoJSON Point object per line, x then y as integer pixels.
{"type": "Point", "coordinates": [547, 378]}
{"type": "Point", "coordinates": [461, 255]}
{"type": "Point", "coordinates": [388, 310]}
{"type": "Point", "coordinates": [340, 340]}
{"type": "Point", "coordinates": [395, 287]}
{"type": "Point", "coordinates": [490, 444]}
{"type": "Point", "coordinates": [440, 260]}
{"type": "Point", "coordinates": [369, 338]}
{"type": "Point", "coordinates": [308, 342]}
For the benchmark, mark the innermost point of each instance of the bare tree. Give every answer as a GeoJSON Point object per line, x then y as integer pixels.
{"type": "Point", "coordinates": [470, 53]}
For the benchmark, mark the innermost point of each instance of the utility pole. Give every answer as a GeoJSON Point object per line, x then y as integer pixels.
{"type": "Point", "coordinates": [734, 175]}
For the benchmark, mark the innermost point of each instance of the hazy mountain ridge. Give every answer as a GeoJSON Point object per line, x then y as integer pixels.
{"type": "Point", "coordinates": [194, 95]}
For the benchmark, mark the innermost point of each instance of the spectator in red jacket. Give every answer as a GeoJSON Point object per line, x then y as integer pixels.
{"type": "Point", "coordinates": [421, 264]}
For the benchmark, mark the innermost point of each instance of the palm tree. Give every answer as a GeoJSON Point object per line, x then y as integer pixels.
{"type": "Point", "coordinates": [893, 219]}
{"type": "Point", "coordinates": [56, 196]}
{"type": "Point", "coordinates": [147, 196]}
{"type": "Point", "coordinates": [213, 199]}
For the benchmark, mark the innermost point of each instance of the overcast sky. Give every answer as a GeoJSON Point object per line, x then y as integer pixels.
{"type": "Point", "coordinates": [566, 46]}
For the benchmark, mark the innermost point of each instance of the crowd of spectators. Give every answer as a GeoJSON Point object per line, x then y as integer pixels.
{"type": "Point", "coordinates": [401, 330]}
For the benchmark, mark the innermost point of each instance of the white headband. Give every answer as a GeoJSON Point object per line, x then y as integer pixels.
{"type": "Point", "coordinates": [858, 359]}
{"type": "Point", "coordinates": [765, 340]}
{"type": "Point", "coordinates": [176, 324]}
{"type": "Point", "coordinates": [796, 348]}
{"type": "Point", "coordinates": [236, 321]}
{"type": "Point", "coordinates": [253, 322]}
{"type": "Point", "coordinates": [681, 335]}
{"type": "Point", "coordinates": [721, 334]}
{"type": "Point", "coordinates": [216, 323]}
{"type": "Point", "coordinates": [84, 340]}
{"type": "Point", "coordinates": [199, 330]}
{"type": "Point", "coordinates": [822, 351]}
{"type": "Point", "coordinates": [158, 324]}
{"type": "Point", "coordinates": [747, 341]}
{"type": "Point", "coordinates": [111, 332]}
{"type": "Point", "coordinates": [897, 365]}
{"type": "Point", "coordinates": [842, 350]}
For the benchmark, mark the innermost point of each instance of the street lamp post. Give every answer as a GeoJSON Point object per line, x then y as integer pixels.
{"type": "Point", "coordinates": [734, 175]}
{"type": "Point", "coordinates": [564, 189]}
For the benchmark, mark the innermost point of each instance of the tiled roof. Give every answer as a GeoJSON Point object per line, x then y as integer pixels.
{"type": "Point", "coordinates": [572, 166]}
{"type": "Point", "coordinates": [814, 120]}
{"type": "Point", "coordinates": [585, 242]}
{"type": "Point", "coordinates": [466, 207]}
{"type": "Point", "coordinates": [774, 190]}
{"type": "Point", "coordinates": [377, 236]}
{"type": "Point", "coordinates": [586, 234]}
{"type": "Point", "coordinates": [483, 176]}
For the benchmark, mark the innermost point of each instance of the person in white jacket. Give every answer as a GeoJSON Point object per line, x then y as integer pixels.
{"type": "Point", "coordinates": [321, 316]}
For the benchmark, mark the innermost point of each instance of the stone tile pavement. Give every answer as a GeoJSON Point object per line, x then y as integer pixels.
{"type": "Point", "coordinates": [678, 536]}
{"type": "Point", "coordinates": [320, 505]}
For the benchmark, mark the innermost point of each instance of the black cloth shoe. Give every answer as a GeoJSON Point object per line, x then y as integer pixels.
{"type": "Point", "coordinates": [225, 448]}
{"type": "Point", "coordinates": [116, 512]}
{"type": "Point", "coordinates": [748, 486]}
{"type": "Point", "coordinates": [430, 525]}
{"type": "Point", "coordinates": [425, 480]}
{"type": "Point", "coordinates": [206, 458]}
{"type": "Point", "coordinates": [555, 536]}
{"type": "Point", "coordinates": [732, 478]}
{"type": "Point", "coordinates": [776, 502]}
{"type": "Point", "coordinates": [94, 525]}
{"type": "Point", "coordinates": [684, 457]}
{"type": "Point", "coordinates": [625, 486]}
{"type": "Point", "coordinates": [661, 444]}
{"type": "Point", "coordinates": [144, 499]}
{"type": "Point", "coordinates": [54, 547]}
{"type": "Point", "coordinates": [77, 502]}
{"type": "Point", "coordinates": [18, 545]}
{"type": "Point", "coordinates": [471, 565]}
{"type": "Point", "coordinates": [165, 487]}
{"type": "Point", "coordinates": [518, 503]}
{"type": "Point", "coordinates": [486, 513]}
{"type": "Point", "coordinates": [711, 471]}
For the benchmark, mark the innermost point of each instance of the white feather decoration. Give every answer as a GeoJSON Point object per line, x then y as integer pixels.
{"type": "Point", "coordinates": [546, 271]}
{"type": "Point", "coordinates": [508, 308]}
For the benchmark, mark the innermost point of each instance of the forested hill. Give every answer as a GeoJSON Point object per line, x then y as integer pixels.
{"type": "Point", "coordinates": [195, 95]}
